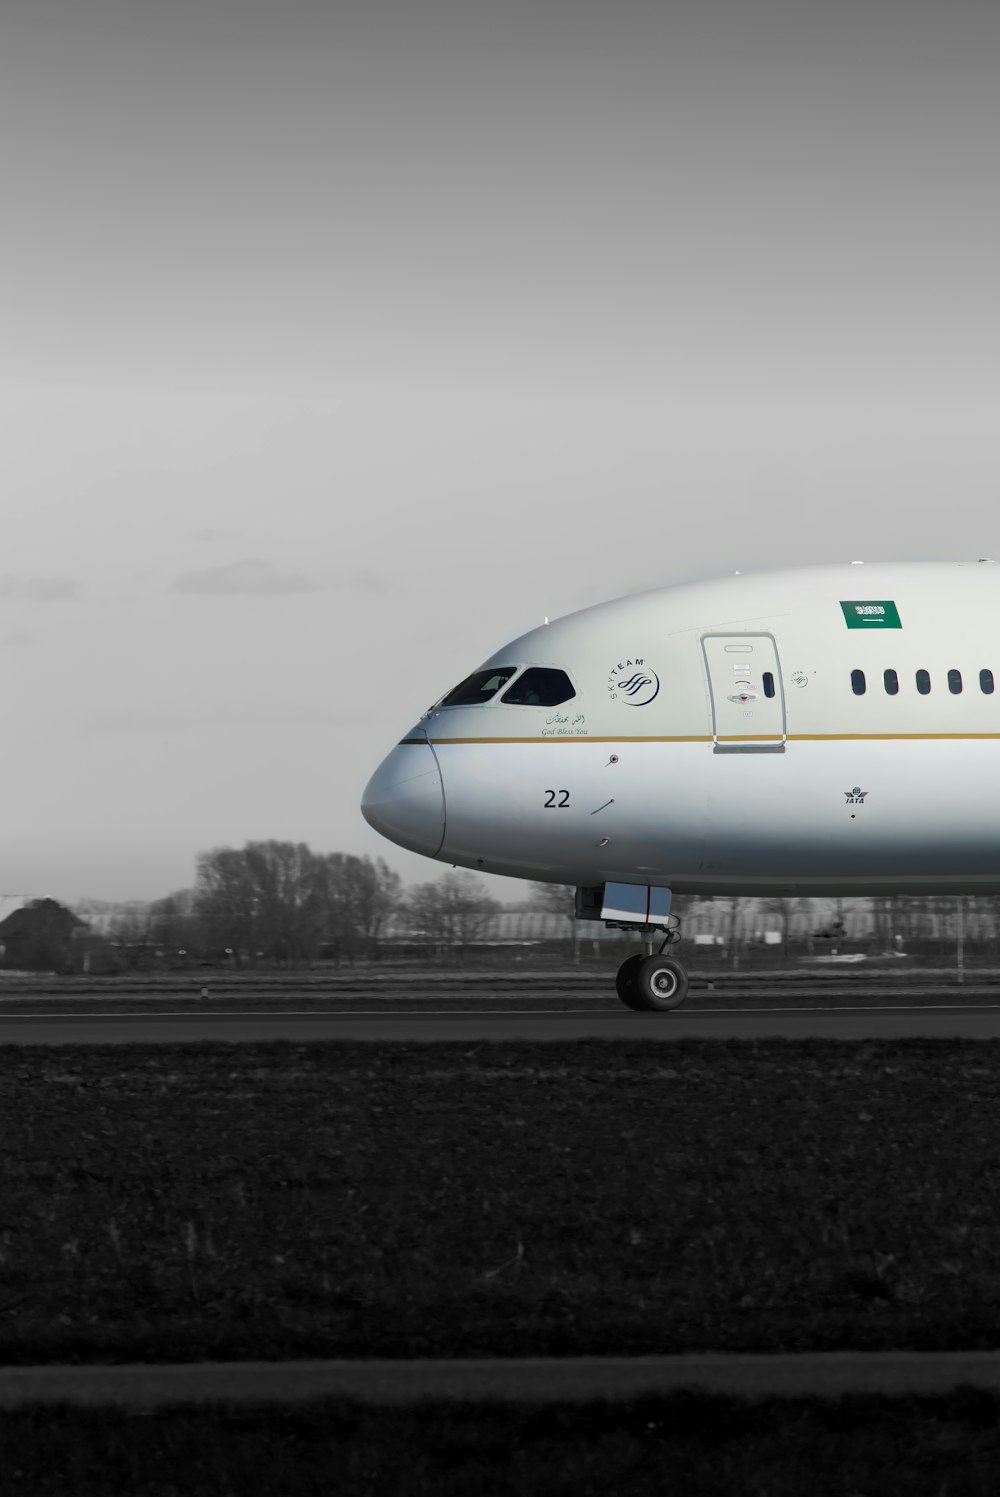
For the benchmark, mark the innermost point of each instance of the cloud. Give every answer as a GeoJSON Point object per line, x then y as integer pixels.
{"type": "Point", "coordinates": [210, 533]}
{"type": "Point", "coordinates": [256, 578]}
{"type": "Point", "coordinates": [250, 578]}
{"type": "Point", "coordinates": [223, 716]}
{"type": "Point", "coordinates": [17, 639]}
{"type": "Point", "coordinates": [362, 581]}
{"type": "Point", "coordinates": [40, 589]}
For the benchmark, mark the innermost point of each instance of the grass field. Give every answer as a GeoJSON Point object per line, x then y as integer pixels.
{"type": "Point", "coordinates": [181, 1203]}
{"type": "Point", "coordinates": [948, 1447]}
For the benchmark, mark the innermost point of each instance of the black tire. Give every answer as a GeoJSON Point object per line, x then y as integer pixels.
{"type": "Point", "coordinates": [626, 980]}
{"type": "Point", "coordinates": [661, 984]}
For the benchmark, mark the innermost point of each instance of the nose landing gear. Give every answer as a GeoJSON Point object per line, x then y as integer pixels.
{"type": "Point", "coordinates": [652, 982]}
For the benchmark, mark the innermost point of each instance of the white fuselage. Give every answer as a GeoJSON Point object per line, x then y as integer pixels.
{"type": "Point", "coordinates": [740, 736]}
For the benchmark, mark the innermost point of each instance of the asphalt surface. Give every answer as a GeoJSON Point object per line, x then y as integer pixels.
{"type": "Point", "coordinates": [512, 1379]}
{"type": "Point", "coordinates": [162, 1027]}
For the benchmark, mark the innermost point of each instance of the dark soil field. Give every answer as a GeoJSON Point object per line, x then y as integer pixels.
{"type": "Point", "coordinates": [332, 1200]}
{"type": "Point", "coordinates": [687, 1444]}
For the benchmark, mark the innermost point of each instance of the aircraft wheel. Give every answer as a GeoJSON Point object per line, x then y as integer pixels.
{"type": "Point", "coordinates": [626, 980]}
{"type": "Point", "coordinates": [660, 984]}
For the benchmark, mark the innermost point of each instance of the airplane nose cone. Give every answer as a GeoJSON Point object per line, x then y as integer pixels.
{"type": "Point", "coordinates": [404, 799]}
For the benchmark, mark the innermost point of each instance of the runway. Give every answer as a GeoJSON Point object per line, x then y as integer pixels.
{"type": "Point", "coordinates": [534, 1381]}
{"type": "Point", "coordinates": [162, 1027]}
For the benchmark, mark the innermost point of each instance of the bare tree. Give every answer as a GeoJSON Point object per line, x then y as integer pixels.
{"type": "Point", "coordinates": [734, 939]}
{"type": "Point", "coordinates": [560, 899]}
{"type": "Point", "coordinates": [452, 911]}
{"type": "Point", "coordinates": [173, 923]}
{"type": "Point", "coordinates": [265, 898]}
{"type": "Point", "coordinates": [289, 884]}
{"type": "Point", "coordinates": [227, 902]}
{"type": "Point", "coordinates": [360, 896]}
{"type": "Point", "coordinates": [128, 923]}
{"type": "Point", "coordinates": [782, 907]}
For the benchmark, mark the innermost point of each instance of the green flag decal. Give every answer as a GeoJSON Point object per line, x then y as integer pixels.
{"type": "Point", "coordinates": [867, 614]}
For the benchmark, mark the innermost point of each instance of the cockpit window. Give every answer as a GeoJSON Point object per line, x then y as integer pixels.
{"type": "Point", "coordinates": [479, 687]}
{"type": "Point", "coordinates": [540, 686]}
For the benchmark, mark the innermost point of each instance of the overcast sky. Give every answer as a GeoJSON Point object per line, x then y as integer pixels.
{"type": "Point", "coordinates": [342, 342]}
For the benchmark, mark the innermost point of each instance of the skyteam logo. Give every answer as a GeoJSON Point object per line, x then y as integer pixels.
{"type": "Point", "coordinates": [633, 682]}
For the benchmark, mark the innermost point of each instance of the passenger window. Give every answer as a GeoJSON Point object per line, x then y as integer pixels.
{"type": "Point", "coordinates": [768, 679]}
{"type": "Point", "coordinates": [986, 683]}
{"type": "Point", "coordinates": [858, 683]}
{"type": "Point", "coordinates": [540, 687]}
{"type": "Point", "coordinates": [954, 682]}
{"type": "Point", "coordinates": [923, 682]}
{"type": "Point", "coordinates": [891, 682]}
{"type": "Point", "coordinates": [479, 687]}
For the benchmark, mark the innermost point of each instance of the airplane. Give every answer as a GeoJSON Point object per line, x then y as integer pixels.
{"type": "Point", "coordinates": [826, 730]}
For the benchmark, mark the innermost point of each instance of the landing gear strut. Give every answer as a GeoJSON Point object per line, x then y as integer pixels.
{"type": "Point", "coordinates": [652, 982]}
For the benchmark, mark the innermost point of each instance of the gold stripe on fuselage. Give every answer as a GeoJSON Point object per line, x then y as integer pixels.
{"type": "Point", "coordinates": [567, 738]}
{"type": "Point", "coordinates": [759, 738]}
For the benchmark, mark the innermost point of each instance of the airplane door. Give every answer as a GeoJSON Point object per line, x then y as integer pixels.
{"type": "Point", "coordinates": [748, 704]}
